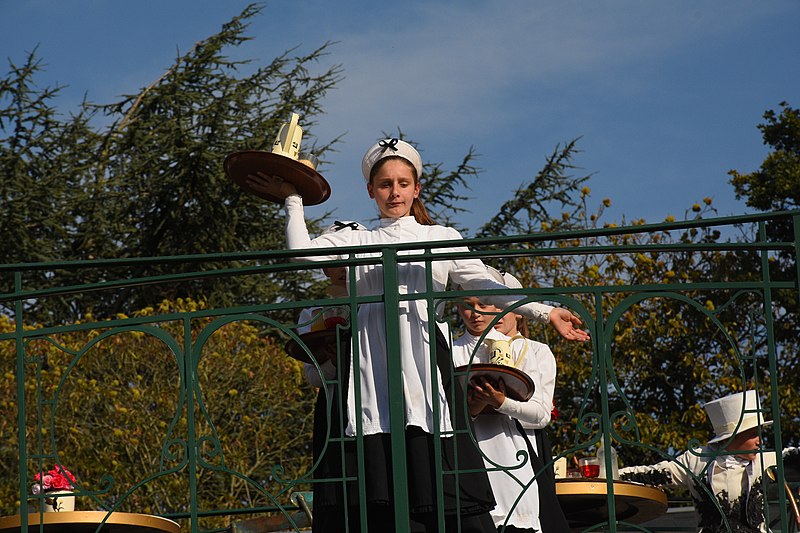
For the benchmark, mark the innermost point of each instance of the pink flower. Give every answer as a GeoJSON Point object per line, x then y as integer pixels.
{"type": "Point", "coordinates": [57, 478]}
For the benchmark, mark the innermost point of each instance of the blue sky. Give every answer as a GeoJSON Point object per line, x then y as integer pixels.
{"type": "Point", "coordinates": [665, 96]}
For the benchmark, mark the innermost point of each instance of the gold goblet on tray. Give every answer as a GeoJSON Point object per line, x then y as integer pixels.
{"type": "Point", "coordinates": [261, 173]}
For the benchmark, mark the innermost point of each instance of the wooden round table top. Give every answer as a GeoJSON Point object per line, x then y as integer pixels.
{"type": "Point", "coordinates": [584, 501]}
{"type": "Point", "coordinates": [88, 521]}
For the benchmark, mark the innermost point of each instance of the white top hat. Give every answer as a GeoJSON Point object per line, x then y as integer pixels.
{"type": "Point", "coordinates": [733, 414]}
{"type": "Point", "coordinates": [390, 148]}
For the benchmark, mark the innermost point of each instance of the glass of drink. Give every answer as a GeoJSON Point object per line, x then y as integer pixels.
{"type": "Point", "coordinates": [308, 159]}
{"type": "Point", "coordinates": [573, 473]}
{"type": "Point", "coordinates": [590, 467]}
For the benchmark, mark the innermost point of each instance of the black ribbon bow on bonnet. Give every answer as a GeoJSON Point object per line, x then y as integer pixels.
{"type": "Point", "coordinates": [391, 143]}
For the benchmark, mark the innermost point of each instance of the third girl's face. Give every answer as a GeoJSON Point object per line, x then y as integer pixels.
{"type": "Point", "coordinates": [476, 315]}
{"type": "Point", "coordinates": [394, 188]}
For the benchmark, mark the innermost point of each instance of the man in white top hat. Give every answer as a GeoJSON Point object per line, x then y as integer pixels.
{"type": "Point", "coordinates": [724, 477]}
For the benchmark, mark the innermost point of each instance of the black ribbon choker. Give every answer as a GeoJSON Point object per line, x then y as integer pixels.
{"type": "Point", "coordinates": [337, 225]}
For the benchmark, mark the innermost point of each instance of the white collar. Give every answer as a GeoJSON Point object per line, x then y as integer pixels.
{"type": "Point", "coordinates": [403, 221]}
{"type": "Point", "coordinates": [733, 461]}
{"type": "Point", "coordinates": [491, 334]}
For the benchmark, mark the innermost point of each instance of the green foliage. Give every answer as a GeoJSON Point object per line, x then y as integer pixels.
{"type": "Point", "coordinates": [776, 185]}
{"type": "Point", "coordinates": [122, 415]}
{"type": "Point", "coordinates": [41, 161]}
{"type": "Point", "coordinates": [143, 177]}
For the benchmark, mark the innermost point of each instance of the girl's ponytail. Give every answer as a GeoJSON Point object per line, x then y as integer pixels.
{"type": "Point", "coordinates": [419, 212]}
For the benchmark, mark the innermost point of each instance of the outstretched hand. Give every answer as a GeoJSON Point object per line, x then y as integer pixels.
{"type": "Point", "coordinates": [272, 185]}
{"type": "Point", "coordinates": [567, 324]}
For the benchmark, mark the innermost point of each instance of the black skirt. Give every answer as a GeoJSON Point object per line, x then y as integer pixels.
{"type": "Point", "coordinates": [466, 495]}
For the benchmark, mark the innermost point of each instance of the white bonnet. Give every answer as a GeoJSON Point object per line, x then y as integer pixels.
{"type": "Point", "coordinates": [390, 148]}
{"type": "Point", "coordinates": [510, 281]}
{"type": "Point", "coordinates": [505, 278]}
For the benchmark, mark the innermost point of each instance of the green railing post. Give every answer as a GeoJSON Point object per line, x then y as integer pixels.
{"type": "Point", "coordinates": [189, 384]}
{"type": "Point", "coordinates": [603, 351]}
{"type": "Point", "coordinates": [397, 409]}
{"type": "Point", "coordinates": [23, 446]}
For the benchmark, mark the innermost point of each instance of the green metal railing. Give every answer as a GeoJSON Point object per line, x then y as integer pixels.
{"type": "Point", "coordinates": [193, 450]}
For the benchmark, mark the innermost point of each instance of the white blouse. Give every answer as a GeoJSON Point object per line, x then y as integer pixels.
{"type": "Point", "coordinates": [413, 316]}
{"type": "Point", "coordinates": [500, 440]}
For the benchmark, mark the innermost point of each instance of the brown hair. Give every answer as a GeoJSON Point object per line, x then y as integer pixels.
{"type": "Point", "coordinates": [418, 210]}
{"type": "Point", "coordinates": [522, 326]}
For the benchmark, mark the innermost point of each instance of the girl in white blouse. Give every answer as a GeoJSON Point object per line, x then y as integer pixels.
{"type": "Point", "coordinates": [524, 503]}
{"type": "Point", "coordinates": [392, 169]}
